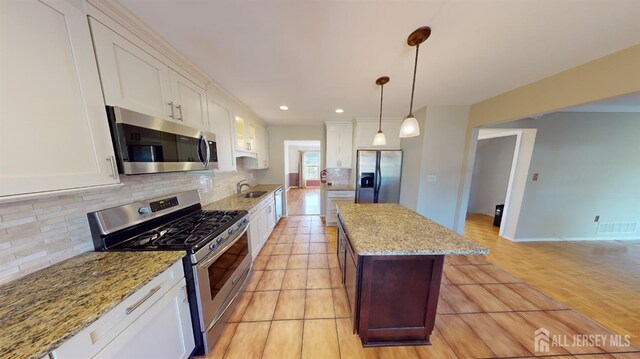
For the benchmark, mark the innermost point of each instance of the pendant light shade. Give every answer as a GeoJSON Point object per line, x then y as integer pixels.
{"type": "Point", "coordinates": [410, 126]}
{"type": "Point", "coordinates": [379, 139]}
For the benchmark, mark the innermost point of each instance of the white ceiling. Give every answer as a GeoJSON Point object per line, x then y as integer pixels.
{"type": "Point", "coordinates": [315, 56]}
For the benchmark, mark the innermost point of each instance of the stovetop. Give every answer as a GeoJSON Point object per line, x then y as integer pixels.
{"type": "Point", "coordinates": [189, 232]}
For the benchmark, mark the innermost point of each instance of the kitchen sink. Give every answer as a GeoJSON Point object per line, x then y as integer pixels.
{"type": "Point", "coordinates": [254, 194]}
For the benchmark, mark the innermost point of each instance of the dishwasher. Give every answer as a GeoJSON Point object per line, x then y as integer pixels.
{"type": "Point", "coordinates": [279, 210]}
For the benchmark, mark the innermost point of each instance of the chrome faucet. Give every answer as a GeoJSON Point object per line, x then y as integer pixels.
{"type": "Point", "coordinates": [240, 184]}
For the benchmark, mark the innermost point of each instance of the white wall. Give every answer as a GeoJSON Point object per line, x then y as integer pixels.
{"type": "Point", "coordinates": [280, 133]}
{"type": "Point", "coordinates": [438, 151]}
{"type": "Point", "coordinates": [588, 165]}
{"type": "Point", "coordinates": [491, 172]}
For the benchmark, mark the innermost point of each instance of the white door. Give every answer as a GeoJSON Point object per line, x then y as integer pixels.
{"type": "Point", "coordinates": [190, 101]}
{"type": "Point", "coordinates": [255, 239]}
{"type": "Point", "coordinates": [163, 331]}
{"type": "Point", "coordinates": [131, 78]}
{"type": "Point", "coordinates": [221, 124]}
{"type": "Point", "coordinates": [264, 225]}
{"type": "Point", "coordinates": [53, 128]}
{"type": "Point", "coordinates": [271, 217]}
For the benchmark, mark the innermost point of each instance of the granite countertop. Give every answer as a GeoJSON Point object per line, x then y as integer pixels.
{"type": "Point", "coordinates": [237, 202]}
{"type": "Point", "coordinates": [340, 187]}
{"type": "Point", "coordinates": [44, 309]}
{"type": "Point", "coordinates": [392, 229]}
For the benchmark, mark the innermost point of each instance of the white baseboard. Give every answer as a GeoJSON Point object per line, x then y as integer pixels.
{"type": "Point", "coordinates": [575, 239]}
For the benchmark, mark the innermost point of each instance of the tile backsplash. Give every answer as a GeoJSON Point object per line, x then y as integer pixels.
{"type": "Point", "coordinates": [339, 176]}
{"type": "Point", "coordinates": [37, 233]}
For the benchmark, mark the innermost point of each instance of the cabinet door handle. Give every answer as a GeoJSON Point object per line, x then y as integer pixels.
{"type": "Point", "coordinates": [172, 115]}
{"type": "Point", "coordinates": [130, 309]}
{"type": "Point", "coordinates": [114, 167]}
{"type": "Point", "coordinates": [179, 107]}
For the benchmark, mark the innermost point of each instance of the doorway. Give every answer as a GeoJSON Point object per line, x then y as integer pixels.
{"type": "Point", "coordinates": [499, 177]}
{"type": "Point", "coordinates": [302, 177]}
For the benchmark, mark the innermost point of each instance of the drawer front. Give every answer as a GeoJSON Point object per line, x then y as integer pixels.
{"type": "Point", "coordinates": [88, 342]}
{"type": "Point", "coordinates": [341, 194]}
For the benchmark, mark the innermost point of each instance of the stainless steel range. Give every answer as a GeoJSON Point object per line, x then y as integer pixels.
{"type": "Point", "coordinates": [217, 262]}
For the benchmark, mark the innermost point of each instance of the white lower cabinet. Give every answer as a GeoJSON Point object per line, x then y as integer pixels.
{"type": "Point", "coordinates": [163, 331]}
{"type": "Point", "coordinates": [262, 222]}
{"type": "Point", "coordinates": [154, 322]}
{"type": "Point", "coordinates": [333, 198]}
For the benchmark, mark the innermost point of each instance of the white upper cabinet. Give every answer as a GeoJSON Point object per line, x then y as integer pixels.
{"type": "Point", "coordinates": [367, 129]}
{"type": "Point", "coordinates": [262, 144]}
{"type": "Point", "coordinates": [339, 144]}
{"type": "Point", "coordinates": [221, 124]}
{"type": "Point", "coordinates": [134, 79]}
{"type": "Point", "coordinates": [246, 137]}
{"type": "Point", "coordinates": [131, 78]}
{"type": "Point", "coordinates": [54, 133]}
{"type": "Point", "coordinates": [190, 101]}
{"type": "Point", "coordinates": [261, 149]}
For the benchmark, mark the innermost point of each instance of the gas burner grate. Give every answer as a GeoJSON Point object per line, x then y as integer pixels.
{"type": "Point", "coordinates": [188, 231]}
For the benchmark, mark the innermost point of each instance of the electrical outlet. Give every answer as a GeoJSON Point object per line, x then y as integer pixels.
{"type": "Point", "coordinates": [596, 219]}
{"type": "Point", "coordinates": [432, 178]}
{"type": "Point", "coordinates": [535, 176]}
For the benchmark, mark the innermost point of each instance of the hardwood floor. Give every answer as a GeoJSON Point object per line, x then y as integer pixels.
{"type": "Point", "coordinates": [303, 201]}
{"type": "Point", "coordinates": [600, 279]}
{"type": "Point", "coordinates": [294, 306]}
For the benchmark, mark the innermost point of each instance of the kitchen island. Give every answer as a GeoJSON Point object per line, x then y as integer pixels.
{"type": "Point", "coordinates": [391, 259]}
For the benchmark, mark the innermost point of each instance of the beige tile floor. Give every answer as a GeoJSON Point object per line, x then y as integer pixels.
{"type": "Point", "coordinates": [294, 306]}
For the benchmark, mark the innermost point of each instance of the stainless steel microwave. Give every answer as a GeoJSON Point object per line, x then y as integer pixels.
{"type": "Point", "coordinates": [146, 144]}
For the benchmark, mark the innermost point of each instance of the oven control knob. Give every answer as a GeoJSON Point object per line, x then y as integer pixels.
{"type": "Point", "coordinates": [230, 231]}
{"type": "Point", "coordinates": [144, 210]}
{"type": "Point", "coordinates": [213, 245]}
{"type": "Point", "coordinates": [220, 240]}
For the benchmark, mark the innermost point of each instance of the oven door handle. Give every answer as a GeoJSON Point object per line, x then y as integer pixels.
{"type": "Point", "coordinates": [206, 261]}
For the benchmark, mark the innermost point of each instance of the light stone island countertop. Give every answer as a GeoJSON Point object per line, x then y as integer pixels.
{"type": "Point", "coordinates": [392, 229]}
{"type": "Point", "coordinates": [42, 310]}
{"type": "Point", "coordinates": [238, 202]}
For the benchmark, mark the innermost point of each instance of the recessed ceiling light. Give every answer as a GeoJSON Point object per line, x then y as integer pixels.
{"type": "Point", "coordinates": [339, 110]}
{"type": "Point", "coordinates": [284, 108]}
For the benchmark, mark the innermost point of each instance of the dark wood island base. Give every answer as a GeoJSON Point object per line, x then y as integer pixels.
{"type": "Point", "coordinates": [393, 298]}
{"type": "Point", "coordinates": [392, 259]}
{"type": "Point", "coordinates": [398, 297]}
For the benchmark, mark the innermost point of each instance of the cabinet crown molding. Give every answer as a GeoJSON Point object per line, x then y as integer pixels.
{"type": "Point", "coordinates": [125, 18]}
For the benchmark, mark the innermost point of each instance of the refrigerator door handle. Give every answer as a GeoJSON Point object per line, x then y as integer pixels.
{"type": "Point", "coordinates": [378, 180]}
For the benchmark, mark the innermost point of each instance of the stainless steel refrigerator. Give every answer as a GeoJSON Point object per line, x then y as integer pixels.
{"type": "Point", "coordinates": [378, 178]}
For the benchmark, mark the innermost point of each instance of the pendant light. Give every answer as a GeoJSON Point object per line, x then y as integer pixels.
{"type": "Point", "coordinates": [379, 140]}
{"type": "Point", "coordinates": [410, 127]}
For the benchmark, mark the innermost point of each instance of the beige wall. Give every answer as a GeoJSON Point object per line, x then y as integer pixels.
{"type": "Point", "coordinates": [614, 75]}
{"type": "Point", "coordinates": [610, 76]}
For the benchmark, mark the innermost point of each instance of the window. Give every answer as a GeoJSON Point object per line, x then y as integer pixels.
{"type": "Point", "coordinates": [311, 165]}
